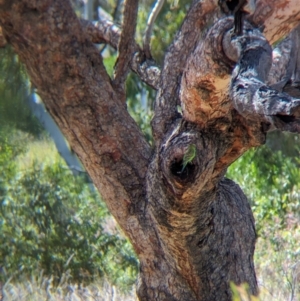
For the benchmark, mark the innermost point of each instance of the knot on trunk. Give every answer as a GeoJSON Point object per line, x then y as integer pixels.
{"type": "Point", "coordinates": [183, 160]}
{"type": "Point", "coordinates": [179, 162]}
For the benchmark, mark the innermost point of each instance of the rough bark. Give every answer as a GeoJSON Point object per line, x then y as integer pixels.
{"type": "Point", "coordinates": [69, 75]}
{"type": "Point", "coordinates": [126, 45]}
{"type": "Point", "coordinates": [104, 31]}
{"type": "Point", "coordinates": [192, 229]}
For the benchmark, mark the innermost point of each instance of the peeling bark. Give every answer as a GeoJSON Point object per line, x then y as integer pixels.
{"type": "Point", "coordinates": [192, 229]}
{"type": "Point", "coordinates": [252, 98]}
{"type": "Point", "coordinates": [276, 19]}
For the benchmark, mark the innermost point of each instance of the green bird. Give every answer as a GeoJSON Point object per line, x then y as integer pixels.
{"type": "Point", "coordinates": [188, 156]}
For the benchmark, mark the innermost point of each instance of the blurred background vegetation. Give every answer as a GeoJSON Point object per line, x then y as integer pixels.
{"type": "Point", "coordinates": [54, 225]}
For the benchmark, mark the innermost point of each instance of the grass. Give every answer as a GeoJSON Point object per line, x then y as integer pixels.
{"type": "Point", "coordinates": [40, 288]}
{"type": "Point", "coordinates": [40, 152]}
{"type": "Point", "coordinates": [277, 261]}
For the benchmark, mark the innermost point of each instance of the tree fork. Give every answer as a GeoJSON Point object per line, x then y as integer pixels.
{"type": "Point", "coordinates": [192, 229]}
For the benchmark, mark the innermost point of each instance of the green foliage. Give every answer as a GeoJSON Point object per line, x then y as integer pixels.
{"type": "Point", "coordinates": [139, 104]}
{"type": "Point", "coordinates": [277, 261]}
{"type": "Point", "coordinates": [109, 63]}
{"type": "Point", "coordinates": [188, 156]}
{"type": "Point", "coordinates": [270, 177]}
{"type": "Point", "coordinates": [53, 221]}
{"type": "Point", "coordinates": [241, 293]}
{"type": "Point", "coordinates": [165, 27]}
{"type": "Point", "coordinates": [14, 111]}
{"type": "Point", "coordinates": [271, 181]}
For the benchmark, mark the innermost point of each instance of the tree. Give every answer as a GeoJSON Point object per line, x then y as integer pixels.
{"type": "Point", "coordinates": [191, 228]}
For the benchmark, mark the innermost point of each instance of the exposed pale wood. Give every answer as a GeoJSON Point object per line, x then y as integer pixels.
{"type": "Point", "coordinates": [205, 84]}
{"type": "Point", "coordinates": [277, 18]}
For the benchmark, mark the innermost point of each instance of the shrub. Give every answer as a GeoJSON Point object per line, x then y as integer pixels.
{"type": "Point", "coordinates": [271, 181]}
{"type": "Point", "coordinates": [53, 221]}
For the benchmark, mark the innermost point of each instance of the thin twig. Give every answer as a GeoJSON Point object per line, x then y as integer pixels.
{"type": "Point", "coordinates": [104, 31]}
{"type": "Point", "coordinates": [117, 9]}
{"type": "Point", "coordinates": [150, 23]}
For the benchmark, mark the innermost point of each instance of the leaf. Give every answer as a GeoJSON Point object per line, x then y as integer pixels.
{"type": "Point", "coordinates": [188, 156]}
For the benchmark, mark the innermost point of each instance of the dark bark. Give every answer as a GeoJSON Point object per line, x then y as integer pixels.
{"type": "Point", "coordinates": [192, 229]}
{"type": "Point", "coordinates": [252, 98]}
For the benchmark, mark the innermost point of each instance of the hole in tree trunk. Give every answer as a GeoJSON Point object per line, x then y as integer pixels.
{"type": "Point", "coordinates": [286, 118]}
{"type": "Point", "coordinates": [178, 171]}
{"type": "Point", "coordinates": [232, 4]}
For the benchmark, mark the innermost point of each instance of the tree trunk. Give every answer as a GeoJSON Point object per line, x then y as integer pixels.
{"type": "Point", "coordinates": [192, 229]}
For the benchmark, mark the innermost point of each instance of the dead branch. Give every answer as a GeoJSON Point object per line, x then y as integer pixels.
{"type": "Point", "coordinates": [252, 98]}
{"type": "Point", "coordinates": [283, 63]}
{"type": "Point", "coordinates": [150, 23]}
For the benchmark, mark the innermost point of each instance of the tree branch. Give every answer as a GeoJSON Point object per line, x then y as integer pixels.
{"type": "Point", "coordinates": [204, 85]}
{"type": "Point", "coordinates": [69, 75]}
{"type": "Point", "coordinates": [126, 44]}
{"type": "Point", "coordinates": [205, 97]}
{"type": "Point", "coordinates": [152, 17]}
{"type": "Point", "coordinates": [283, 63]}
{"type": "Point", "coordinates": [104, 31]}
{"type": "Point", "coordinates": [252, 98]}
{"type": "Point", "coordinates": [285, 71]}
{"type": "Point", "coordinates": [276, 18]}
{"type": "Point", "coordinates": [167, 97]}
{"type": "Point", "coordinates": [204, 90]}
